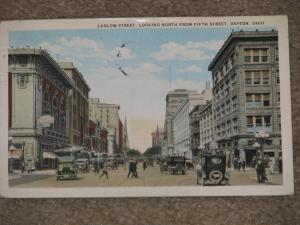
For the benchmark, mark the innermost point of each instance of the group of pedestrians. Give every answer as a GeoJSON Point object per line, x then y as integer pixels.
{"type": "Point", "coordinates": [101, 165]}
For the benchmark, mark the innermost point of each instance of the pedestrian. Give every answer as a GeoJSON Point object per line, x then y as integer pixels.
{"type": "Point", "coordinates": [130, 167]}
{"type": "Point", "coordinates": [258, 168]}
{"type": "Point", "coordinates": [144, 165]}
{"type": "Point", "coordinates": [280, 164]}
{"type": "Point", "coordinates": [135, 174]}
{"type": "Point", "coordinates": [22, 166]}
{"type": "Point", "coordinates": [104, 170]}
{"type": "Point", "coordinates": [96, 167]}
{"type": "Point", "coordinates": [243, 165]}
{"type": "Point", "coordinates": [239, 164]}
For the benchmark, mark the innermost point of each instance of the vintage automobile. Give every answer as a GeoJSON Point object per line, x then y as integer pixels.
{"type": "Point", "coordinates": [82, 165]}
{"type": "Point", "coordinates": [163, 166]}
{"type": "Point", "coordinates": [66, 168]}
{"type": "Point", "coordinates": [212, 170]}
{"type": "Point", "coordinates": [173, 165]}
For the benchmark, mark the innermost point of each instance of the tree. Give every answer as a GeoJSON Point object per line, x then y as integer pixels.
{"type": "Point", "coordinates": [133, 153]}
{"type": "Point", "coordinates": [152, 151]}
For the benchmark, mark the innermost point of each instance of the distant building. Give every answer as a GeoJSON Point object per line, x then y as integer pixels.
{"type": "Point", "coordinates": [157, 137]}
{"type": "Point", "coordinates": [93, 135]}
{"type": "Point", "coordinates": [38, 88]}
{"type": "Point", "coordinates": [173, 100]}
{"type": "Point", "coordinates": [126, 139]}
{"type": "Point", "coordinates": [78, 103]}
{"type": "Point", "coordinates": [181, 122]}
{"type": "Point", "coordinates": [108, 115]}
{"type": "Point", "coordinates": [246, 93]}
{"type": "Point", "coordinates": [194, 118]}
{"type": "Point", "coordinates": [206, 125]}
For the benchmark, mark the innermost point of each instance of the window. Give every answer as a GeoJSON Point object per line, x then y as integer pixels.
{"type": "Point", "coordinates": [277, 76]}
{"type": "Point", "coordinates": [264, 55]}
{"type": "Point", "coordinates": [256, 55]}
{"type": "Point", "coordinates": [257, 100]}
{"type": "Point", "coordinates": [258, 121]}
{"type": "Point", "coordinates": [234, 102]}
{"type": "Point", "coordinates": [249, 98]}
{"type": "Point", "coordinates": [267, 120]}
{"type": "Point", "coordinates": [250, 121]}
{"type": "Point", "coordinates": [256, 77]}
{"type": "Point", "coordinates": [278, 96]}
{"type": "Point", "coordinates": [266, 99]}
{"type": "Point", "coordinates": [247, 55]}
{"type": "Point", "coordinates": [265, 77]}
{"type": "Point", "coordinates": [248, 77]}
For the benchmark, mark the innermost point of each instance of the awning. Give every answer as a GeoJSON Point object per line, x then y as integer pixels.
{"type": "Point", "coordinates": [15, 153]}
{"type": "Point", "coordinates": [49, 155]}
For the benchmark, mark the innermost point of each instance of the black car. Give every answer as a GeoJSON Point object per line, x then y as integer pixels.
{"type": "Point", "coordinates": [173, 165]}
{"type": "Point", "coordinates": [212, 170]}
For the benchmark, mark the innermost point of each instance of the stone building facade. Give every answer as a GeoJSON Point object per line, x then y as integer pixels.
{"type": "Point", "coordinates": [246, 94]}
{"type": "Point", "coordinates": [108, 116]}
{"type": "Point", "coordinates": [206, 125]}
{"type": "Point", "coordinates": [38, 87]}
{"type": "Point", "coordinates": [173, 100]}
{"type": "Point", "coordinates": [78, 103]}
{"type": "Point", "coordinates": [181, 123]}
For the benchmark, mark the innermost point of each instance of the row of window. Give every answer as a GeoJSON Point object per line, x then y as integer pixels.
{"type": "Point", "coordinates": [258, 121]}
{"type": "Point", "coordinates": [224, 69]}
{"type": "Point", "coordinates": [256, 77]}
{"type": "Point", "coordinates": [226, 108]}
{"type": "Point", "coordinates": [256, 55]}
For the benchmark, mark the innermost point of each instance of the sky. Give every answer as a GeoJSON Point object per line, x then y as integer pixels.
{"type": "Point", "coordinates": [156, 60]}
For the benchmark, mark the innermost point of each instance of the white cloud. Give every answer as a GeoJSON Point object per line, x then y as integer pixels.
{"type": "Point", "coordinates": [192, 68]}
{"type": "Point", "coordinates": [188, 51]}
{"type": "Point", "coordinates": [83, 48]}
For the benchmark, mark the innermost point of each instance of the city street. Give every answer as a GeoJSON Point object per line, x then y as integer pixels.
{"type": "Point", "coordinates": [150, 177]}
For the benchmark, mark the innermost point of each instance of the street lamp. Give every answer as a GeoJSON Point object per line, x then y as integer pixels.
{"type": "Point", "coordinates": [256, 146]}
{"type": "Point", "coordinates": [260, 138]}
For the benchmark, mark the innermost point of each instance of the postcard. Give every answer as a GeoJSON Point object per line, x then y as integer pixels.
{"type": "Point", "coordinates": [141, 107]}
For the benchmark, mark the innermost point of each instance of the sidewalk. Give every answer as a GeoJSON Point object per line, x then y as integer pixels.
{"type": "Point", "coordinates": [249, 177]}
{"type": "Point", "coordinates": [17, 173]}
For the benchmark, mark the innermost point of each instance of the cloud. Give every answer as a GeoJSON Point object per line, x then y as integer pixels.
{"type": "Point", "coordinates": [84, 48]}
{"type": "Point", "coordinates": [188, 51]}
{"type": "Point", "coordinates": [192, 68]}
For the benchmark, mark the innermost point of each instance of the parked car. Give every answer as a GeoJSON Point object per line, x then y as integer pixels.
{"type": "Point", "coordinates": [82, 165]}
{"type": "Point", "coordinates": [66, 168]}
{"type": "Point", "coordinates": [173, 164]}
{"type": "Point", "coordinates": [212, 170]}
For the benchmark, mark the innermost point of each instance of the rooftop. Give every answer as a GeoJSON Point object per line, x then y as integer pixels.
{"type": "Point", "coordinates": [243, 35]}
{"type": "Point", "coordinates": [47, 60]}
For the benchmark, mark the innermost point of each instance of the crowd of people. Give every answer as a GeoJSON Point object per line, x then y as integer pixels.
{"type": "Point", "coordinates": [101, 165]}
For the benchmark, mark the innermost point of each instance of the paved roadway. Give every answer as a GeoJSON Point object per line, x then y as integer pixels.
{"type": "Point", "coordinates": [150, 177]}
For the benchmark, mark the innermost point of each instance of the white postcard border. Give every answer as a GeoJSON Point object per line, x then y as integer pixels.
{"type": "Point", "coordinates": [280, 22]}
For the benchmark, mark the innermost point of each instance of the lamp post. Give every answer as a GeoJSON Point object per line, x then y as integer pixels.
{"type": "Point", "coordinates": [256, 146]}
{"type": "Point", "coordinates": [261, 136]}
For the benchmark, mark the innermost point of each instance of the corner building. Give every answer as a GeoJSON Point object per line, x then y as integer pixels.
{"type": "Point", "coordinates": [37, 87]}
{"type": "Point", "coordinates": [246, 93]}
